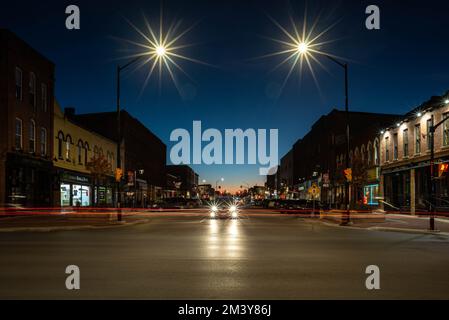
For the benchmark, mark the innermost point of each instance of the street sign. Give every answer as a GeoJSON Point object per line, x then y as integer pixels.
{"type": "Point", "coordinates": [348, 174]}
{"type": "Point", "coordinates": [442, 168]}
{"type": "Point", "coordinates": [118, 174]}
{"type": "Point", "coordinates": [314, 190]}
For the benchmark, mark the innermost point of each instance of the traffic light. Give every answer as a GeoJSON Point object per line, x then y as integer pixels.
{"type": "Point", "coordinates": [443, 168]}
{"type": "Point", "coordinates": [118, 174]}
{"type": "Point", "coordinates": [348, 174]}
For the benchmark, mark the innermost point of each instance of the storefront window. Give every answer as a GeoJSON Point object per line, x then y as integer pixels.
{"type": "Point", "coordinates": [65, 195]}
{"type": "Point", "coordinates": [80, 195]}
{"type": "Point", "coordinates": [370, 194]}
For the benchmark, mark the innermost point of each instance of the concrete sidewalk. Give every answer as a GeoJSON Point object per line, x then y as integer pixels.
{"type": "Point", "coordinates": [56, 222]}
{"type": "Point", "coordinates": [403, 223]}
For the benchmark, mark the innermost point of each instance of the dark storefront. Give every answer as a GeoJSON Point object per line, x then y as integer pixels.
{"type": "Point", "coordinates": [28, 181]}
{"type": "Point", "coordinates": [397, 189]}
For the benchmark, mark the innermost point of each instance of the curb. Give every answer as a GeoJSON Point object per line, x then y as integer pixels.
{"type": "Point", "coordinates": [388, 229]}
{"type": "Point", "coordinates": [408, 230]}
{"type": "Point", "coordinates": [70, 228]}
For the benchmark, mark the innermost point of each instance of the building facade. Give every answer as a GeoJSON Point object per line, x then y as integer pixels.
{"type": "Point", "coordinates": [319, 157]}
{"type": "Point", "coordinates": [26, 125]}
{"type": "Point", "coordinates": [186, 180]}
{"type": "Point", "coordinates": [405, 157]}
{"type": "Point", "coordinates": [145, 154]}
{"type": "Point", "coordinates": [84, 164]}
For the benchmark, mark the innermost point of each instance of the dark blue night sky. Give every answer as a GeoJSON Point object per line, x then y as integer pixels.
{"type": "Point", "coordinates": [391, 70]}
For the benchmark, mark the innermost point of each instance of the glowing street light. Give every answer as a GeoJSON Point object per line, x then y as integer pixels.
{"type": "Point", "coordinates": [301, 47]}
{"type": "Point", "coordinates": [158, 50]}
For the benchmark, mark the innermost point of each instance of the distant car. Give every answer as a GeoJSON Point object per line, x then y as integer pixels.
{"type": "Point", "coordinates": [224, 209]}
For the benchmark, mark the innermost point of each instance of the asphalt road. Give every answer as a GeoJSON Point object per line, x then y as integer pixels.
{"type": "Point", "coordinates": [197, 258]}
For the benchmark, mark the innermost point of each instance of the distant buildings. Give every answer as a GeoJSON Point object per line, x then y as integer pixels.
{"type": "Point", "coordinates": [26, 123]}
{"type": "Point", "coordinates": [186, 182]}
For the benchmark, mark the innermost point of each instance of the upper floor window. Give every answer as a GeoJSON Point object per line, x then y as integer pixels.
{"type": "Point", "coordinates": [446, 129]}
{"type": "Point", "coordinates": [368, 154]}
{"type": "Point", "coordinates": [68, 153]}
{"type": "Point", "coordinates": [395, 146]}
{"type": "Point", "coordinates": [60, 141]}
{"type": "Point", "coordinates": [387, 149]}
{"type": "Point", "coordinates": [43, 142]}
{"type": "Point", "coordinates": [80, 152]}
{"type": "Point", "coordinates": [44, 98]}
{"type": "Point", "coordinates": [405, 141]}
{"type": "Point", "coordinates": [86, 149]}
{"type": "Point", "coordinates": [32, 89]}
{"type": "Point", "coordinates": [18, 136]}
{"type": "Point", "coordinates": [32, 137]}
{"type": "Point", "coordinates": [429, 126]}
{"type": "Point", "coordinates": [376, 152]}
{"type": "Point", "coordinates": [18, 83]}
{"type": "Point", "coordinates": [418, 139]}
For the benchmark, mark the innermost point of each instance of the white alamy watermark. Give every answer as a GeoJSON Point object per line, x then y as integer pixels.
{"type": "Point", "coordinates": [210, 147]}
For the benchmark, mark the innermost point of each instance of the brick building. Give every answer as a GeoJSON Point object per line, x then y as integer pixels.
{"type": "Point", "coordinates": [315, 155]}
{"type": "Point", "coordinates": [405, 157]}
{"type": "Point", "coordinates": [144, 152]}
{"type": "Point", "coordinates": [26, 125]}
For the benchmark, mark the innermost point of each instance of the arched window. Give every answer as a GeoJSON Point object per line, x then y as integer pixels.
{"type": "Point", "coordinates": [363, 153]}
{"type": "Point", "coordinates": [376, 152]}
{"type": "Point", "coordinates": [351, 157]}
{"type": "Point", "coordinates": [368, 151]}
{"type": "Point", "coordinates": [32, 135]}
{"type": "Point", "coordinates": [86, 149]}
{"type": "Point", "coordinates": [60, 141]}
{"type": "Point", "coordinates": [68, 143]}
{"type": "Point", "coordinates": [80, 151]}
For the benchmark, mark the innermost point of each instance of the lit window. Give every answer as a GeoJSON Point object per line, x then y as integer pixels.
{"type": "Point", "coordinates": [429, 125]}
{"type": "Point", "coordinates": [405, 141]}
{"type": "Point", "coordinates": [80, 151]}
{"type": "Point", "coordinates": [446, 130]}
{"type": "Point", "coordinates": [68, 142]}
{"type": "Point", "coordinates": [60, 141]}
{"type": "Point", "coordinates": [418, 139]}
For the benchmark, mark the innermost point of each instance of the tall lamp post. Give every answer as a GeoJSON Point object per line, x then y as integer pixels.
{"type": "Point", "coordinates": [119, 133]}
{"type": "Point", "coordinates": [432, 199]}
{"type": "Point", "coordinates": [346, 217]}
{"type": "Point", "coordinates": [303, 49]}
